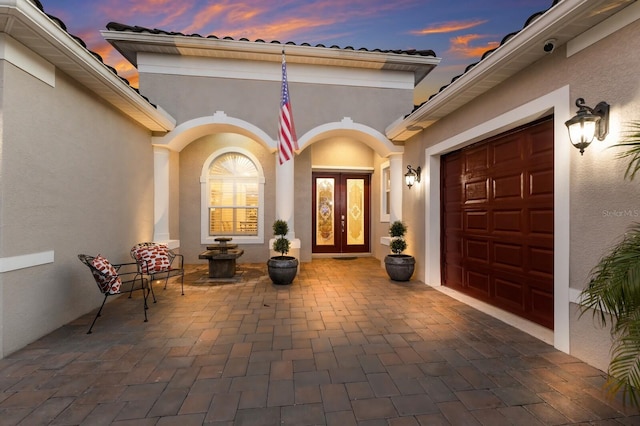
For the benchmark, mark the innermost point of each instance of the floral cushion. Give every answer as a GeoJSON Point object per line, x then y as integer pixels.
{"type": "Point", "coordinates": [106, 275]}
{"type": "Point", "coordinates": [152, 258]}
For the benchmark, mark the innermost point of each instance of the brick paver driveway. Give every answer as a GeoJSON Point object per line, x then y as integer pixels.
{"type": "Point", "coordinates": [342, 345]}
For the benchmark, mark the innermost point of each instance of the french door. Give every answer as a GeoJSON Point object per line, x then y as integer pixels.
{"type": "Point", "coordinates": [340, 212]}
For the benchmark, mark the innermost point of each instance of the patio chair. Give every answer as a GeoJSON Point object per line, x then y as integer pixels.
{"type": "Point", "coordinates": [110, 281]}
{"type": "Point", "coordinates": [157, 262]}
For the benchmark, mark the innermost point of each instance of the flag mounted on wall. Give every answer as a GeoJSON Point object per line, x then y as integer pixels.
{"type": "Point", "coordinates": [287, 141]}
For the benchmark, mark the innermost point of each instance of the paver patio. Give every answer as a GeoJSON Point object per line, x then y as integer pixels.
{"type": "Point", "coordinates": [342, 345]}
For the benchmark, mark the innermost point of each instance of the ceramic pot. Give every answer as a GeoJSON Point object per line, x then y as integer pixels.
{"type": "Point", "coordinates": [399, 267]}
{"type": "Point", "coordinates": [282, 269]}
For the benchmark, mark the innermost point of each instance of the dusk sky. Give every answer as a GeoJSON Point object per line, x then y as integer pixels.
{"type": "Point", "coordinates": [458, 31]}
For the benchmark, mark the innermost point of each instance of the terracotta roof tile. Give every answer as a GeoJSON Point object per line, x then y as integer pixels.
{"type": "Point", "coordinates": [116, 26]}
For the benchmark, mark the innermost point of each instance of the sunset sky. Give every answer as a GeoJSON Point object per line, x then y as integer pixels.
{"type": "Point", "coordinates": [459, 31]}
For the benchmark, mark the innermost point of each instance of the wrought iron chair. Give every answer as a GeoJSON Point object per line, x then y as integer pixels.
{"type": "Point", "coordinates": [110, 281]}
{"type": "Point", "coordinates": [157, 262]}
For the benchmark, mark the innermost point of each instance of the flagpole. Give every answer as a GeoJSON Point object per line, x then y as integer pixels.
{"type": "Point", "coordinates": [287, 143]}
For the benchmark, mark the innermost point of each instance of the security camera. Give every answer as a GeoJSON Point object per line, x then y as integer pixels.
{"type": "Point", "coordinates": [549, 45]}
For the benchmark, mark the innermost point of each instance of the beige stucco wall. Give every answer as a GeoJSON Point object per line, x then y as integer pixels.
{"type": "Point", "coordinates": [602, 204]}
{"type": "Point", "coordinates": [192, 159]}
{"type": "Point", "coordinates": [256, 103]}
{"type": "Point", "coordinates": [77, 177]}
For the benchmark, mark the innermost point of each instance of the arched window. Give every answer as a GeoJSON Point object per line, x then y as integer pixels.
{"type": "Point", "coordinates": [232, 197]}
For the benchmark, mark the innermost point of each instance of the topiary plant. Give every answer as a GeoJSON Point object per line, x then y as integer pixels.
{"type": "Point", "coordinates": [397, 231]}
{"type": "Point", "coordinates": [280, 230]}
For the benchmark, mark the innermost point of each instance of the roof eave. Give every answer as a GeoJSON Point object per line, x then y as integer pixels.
{"type": "Point", "coordinates": [129, 44]}
{"type": "Point", "coordinates": [27, 24]}
{"type": "Point", "coordinates": [523, 49]}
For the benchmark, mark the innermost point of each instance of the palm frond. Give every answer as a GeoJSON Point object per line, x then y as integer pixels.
{"type": "Point", "coordinates": [624, 369]}
{"type": "Point", "coordinates": [614, 285]}
{"type": "Point", "coordinates": [630, 141]}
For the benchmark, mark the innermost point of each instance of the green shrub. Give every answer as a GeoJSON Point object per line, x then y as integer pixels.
{"type": "Point", "coordinates": [281, 244]}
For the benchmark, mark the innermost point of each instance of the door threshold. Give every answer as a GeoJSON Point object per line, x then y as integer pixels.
{"type": "Point", "coordinates": [336, 255]}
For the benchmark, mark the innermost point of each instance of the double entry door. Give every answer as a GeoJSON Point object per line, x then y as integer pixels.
{"type": "Point", "coordinates": [340, 212]}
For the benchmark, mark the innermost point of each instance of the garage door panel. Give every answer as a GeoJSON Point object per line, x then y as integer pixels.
{"type": "Point", "coordinates": [475, 191]}
{"type": "Point", "coordinates": [453, 194]}
{"type": "Point", "coordinates": [541, 143]}
{"type": "Point", "coordinates": [476, 250]}
{"type": "Point", "coordinates": [506, 208]}
{"type": "Point", "coordinates": [541, 221]}
{"type": "Point", "coordinates": [508, 256]}
{"type": "Point", "coordinates": [508, 149]}
{"type": "Point", "coordinates": [476, 159]}
{"type": "Point", "coordinates": [509, 187]}
{"type": "Point", "coordinates": [509, 293]}
{"type": "Point", "coordinates": [541, 261]}
{"type": "Point", "coordinates": [453, 274]}
{"type": "Point", "coordinates": [542, 307]}
{"type": "Point", "coordinates": [508, 220]}
{"type": "Point", "coordinates": [478, 282]}
{"type": "Point", "coordinates": [476, 221]}
{"type": "Point", "coordinates": [541, 183]}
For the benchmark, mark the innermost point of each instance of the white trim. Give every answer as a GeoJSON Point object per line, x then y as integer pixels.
{"type": "Point", "coordinates": [607, 27]}
{"type": "Point", "coordinates": [320, 168]}
{"type": "Point", "coordinates": [13, 263]}
{"type": "Point", "coordinates": [219, 122]}
{"type": "Point", "coordinates": [348, 128]}
{"type": "Point", "coordinates": [205, 238]}
{"type": "Point", "coordinates": [384, 215]}
{"type": "Point", "coordinates": [26, 60]}
{"type": "Point", "coordinates": [235, 69]}
{"type": "Point", "coordinates": [161, 182]}
{"type": "Point", "coordinates": [557, 102]}
{"type": "Point", "coordinates": [575, 296]}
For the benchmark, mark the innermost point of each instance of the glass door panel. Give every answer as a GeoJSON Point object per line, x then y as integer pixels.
{"type": "Point", "coordinates": [340, 213]}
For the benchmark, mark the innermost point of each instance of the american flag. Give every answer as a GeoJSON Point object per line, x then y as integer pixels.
{"type": "Point", "coordinates": [287, 141]}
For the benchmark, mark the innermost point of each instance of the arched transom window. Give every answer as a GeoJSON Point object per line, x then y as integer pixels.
{"type": "Point", "coordinates": [234, 188]}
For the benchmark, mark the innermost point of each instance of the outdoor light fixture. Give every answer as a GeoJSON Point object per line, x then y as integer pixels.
{"type": "Point", "coordinates": [412, 176]}
{"type": "Point", "coordinates": [587, 124]}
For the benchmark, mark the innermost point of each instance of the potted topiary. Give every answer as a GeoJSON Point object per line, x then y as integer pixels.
{"type": "Point", "coordinates": [399, 266]}
{"type": "Point", "coordinates": [282, 269]}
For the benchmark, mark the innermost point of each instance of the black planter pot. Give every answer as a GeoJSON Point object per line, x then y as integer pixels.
{"type": "Point", "coordinates": [282, 269]}
{"type": "Point", "coordinates": [399, 267]}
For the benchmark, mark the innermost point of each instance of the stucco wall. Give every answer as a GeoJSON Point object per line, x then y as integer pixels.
{"type": "Point", "coordinates": [77, 177]}
{"type": "Point", "coordinates": [257, 102]}
{"type": "Point", "coordinates": [602, 204]}
{"type": "Point", "coordinates": [192, 159]}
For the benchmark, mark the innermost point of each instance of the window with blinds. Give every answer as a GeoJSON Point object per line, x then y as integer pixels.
{"type": "Point", "coordinates": [233, 188]}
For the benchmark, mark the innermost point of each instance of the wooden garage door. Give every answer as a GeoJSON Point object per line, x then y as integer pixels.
{"type": "Point", "coordinates": [497, 221]}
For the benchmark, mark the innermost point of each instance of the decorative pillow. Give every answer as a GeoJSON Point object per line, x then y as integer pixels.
{"type": "Point", "coordinates": [106, 276]}
{"type": "Point", "coordinates": [153, 258]}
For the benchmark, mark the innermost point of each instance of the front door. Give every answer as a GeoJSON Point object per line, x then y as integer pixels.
{"type": "Point", "coordinates": [341, 212]}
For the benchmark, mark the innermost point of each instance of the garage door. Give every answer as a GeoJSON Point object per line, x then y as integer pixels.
{"type": "Point", "coordinates": [497, 221]}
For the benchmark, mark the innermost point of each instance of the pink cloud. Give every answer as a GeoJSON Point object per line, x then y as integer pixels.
{"type": "Point", "coordinates": [449, 27]}
{"type": "Point", "coordinates": [461, 46]}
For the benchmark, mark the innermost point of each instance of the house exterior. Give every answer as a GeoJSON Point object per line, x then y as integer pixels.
{"type": "Point", "coordinates": [507, 217]}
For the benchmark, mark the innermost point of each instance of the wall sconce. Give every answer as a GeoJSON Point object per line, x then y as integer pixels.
{"type": "Point", "coordinates": [412, 176]}
{"type": "Point", "coordinates": [587, 124]}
